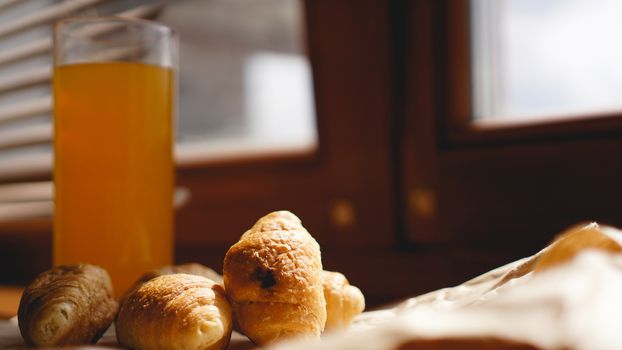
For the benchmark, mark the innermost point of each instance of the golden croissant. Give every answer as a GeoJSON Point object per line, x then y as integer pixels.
{"type": "Point", "coordinates": [273, 278]}
{"type": "Point", "coordinates": [175, 312]}
{"type": "Point", "coordinates": [343, 301]}
{"type": "Point", "coordinates": [67, 305]}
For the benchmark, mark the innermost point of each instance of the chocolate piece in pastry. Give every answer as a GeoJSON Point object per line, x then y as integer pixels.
{"type": "Point", "coordinates": [175, 312]}
{"type": "Point", "coordinates": [343, 301]}
{"type": "Point", "coordinates": [273, 277]}
{"type": "Point", "coordinates": [67, 305]}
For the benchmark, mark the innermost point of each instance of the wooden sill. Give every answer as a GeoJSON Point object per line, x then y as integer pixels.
{"type": "Point", "coordinates": [199, 154]}
{"type": "Point", "coordinates": [513, 131]}
{"type": "Point", "coordinates": [187, 155]}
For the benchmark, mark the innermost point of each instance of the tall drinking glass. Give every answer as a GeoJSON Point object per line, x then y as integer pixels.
{"type": "Point", "coordinates": [114, 95]}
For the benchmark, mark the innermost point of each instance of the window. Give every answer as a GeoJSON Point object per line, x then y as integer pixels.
{"type": "Point", "coordinates": [245, 80]}
{"type": "Point", "coordinates": [340, 187]}
{"type": "Point", "coordinates": [542, 60]}
{"type": "Point", "coordinates": [246, 92]}
{"type": "Point", "coordinates": [245, 85]}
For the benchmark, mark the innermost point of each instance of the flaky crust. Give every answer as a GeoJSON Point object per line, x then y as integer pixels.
{"type": "Point", "coordinates": [67, 305]}
{"type": "Point", "coordinates": [343, 301]}
{"type": "Point", "coordinates": [175, 312]}
{"type": "Point", "coordinates": [188, 268]}
{"type": "Point", "coordinates": [273, 279]}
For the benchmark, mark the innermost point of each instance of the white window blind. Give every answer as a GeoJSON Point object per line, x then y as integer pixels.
{"type": "Point", "coordinates": [25, 74]}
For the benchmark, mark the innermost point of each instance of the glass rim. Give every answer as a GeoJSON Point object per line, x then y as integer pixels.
{"type": "Point", "coordinates": [114, 19]}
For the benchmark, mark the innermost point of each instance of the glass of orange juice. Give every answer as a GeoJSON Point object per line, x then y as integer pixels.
{"type": "Point", "coordinates": [114, 102]}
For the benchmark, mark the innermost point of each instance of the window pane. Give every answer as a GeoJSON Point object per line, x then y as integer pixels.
{"type": "Point", "coordinates": [535, 59]}
{"type": "Point", "coordinates": [245, 80]}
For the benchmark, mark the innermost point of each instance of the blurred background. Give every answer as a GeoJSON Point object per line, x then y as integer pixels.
{"type": "Point", "coordinates": [422, 142]}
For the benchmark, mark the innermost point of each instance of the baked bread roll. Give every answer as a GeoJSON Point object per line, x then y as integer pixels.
{"type": "Point", "coordinates": [67, 305]}
{"type": "Point", "coordinates": [576, 239]}
{"type": "Point", "coordinates": [343, 301]}
{"type": "Point", "coordinates": [273, 277]}
{"type": "Point", "coordinates": [175, 312]}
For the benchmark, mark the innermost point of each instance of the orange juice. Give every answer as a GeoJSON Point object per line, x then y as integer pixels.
{"type": "Point", "coordinates": [113, 170]}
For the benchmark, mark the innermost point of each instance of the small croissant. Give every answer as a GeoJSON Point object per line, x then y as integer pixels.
{"type": "Point", "coordinates": [175, 312]}
{"type": "Point", "coordinates": [343, 301]}
{"type": "Point", "coordinates": [67, 305]}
